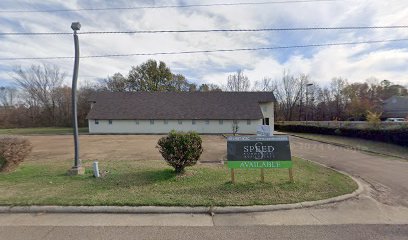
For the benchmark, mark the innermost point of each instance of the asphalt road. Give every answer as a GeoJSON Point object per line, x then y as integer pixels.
{"type": "Point", "coordinates": [332, 232]}
{"type": "Point", "coordinates": [387, 176]}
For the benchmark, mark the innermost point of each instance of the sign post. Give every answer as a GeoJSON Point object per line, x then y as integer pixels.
{"type": "Point", "coordinates": [291, 174]}
{"type": "Point", "coordinates": [259, 152]}
{"type": "Point", "coordinates": [263, 130]}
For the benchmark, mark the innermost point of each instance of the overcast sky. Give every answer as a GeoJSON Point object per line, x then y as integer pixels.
{"type": "Point", "coordinates": [356, 63]}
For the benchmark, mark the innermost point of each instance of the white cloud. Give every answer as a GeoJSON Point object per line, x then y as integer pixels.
{"type": "Point", "coordinates": [356, 63]}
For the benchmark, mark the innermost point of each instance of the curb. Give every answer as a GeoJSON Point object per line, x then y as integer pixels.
{"type": "Point", "coordinates": [102, 209]}
{"type": "Point", "coordinates": [184, 210]}
{"type": "Point", "coordinates": [307, 204]}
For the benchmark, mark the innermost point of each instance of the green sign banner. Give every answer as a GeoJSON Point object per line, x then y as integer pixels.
{"type": "Point", "coordinates": [259, 164]}
{"type": "Point", "coordinates": [259, 152]}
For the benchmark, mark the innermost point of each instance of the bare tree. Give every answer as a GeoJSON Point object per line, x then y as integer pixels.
{"type": "Point", "coordinates": [63, 112]}
{"type": "Point", "coordinates": [264, 85]}
{"type": "Point", "coordinates": [323, 100]}
{"type": "Point", "coordinates": [8, 96]}
{"type": "Point", "coordinates": [39, 85]}
{"type": "Point", "coordinates": [337, 87]}
{"type": "Point", "coordinates": [289, 91]}
{"type": "Point", "coordinates": [238, 82]}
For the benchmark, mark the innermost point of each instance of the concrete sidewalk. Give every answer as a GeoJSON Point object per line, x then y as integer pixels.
{"type": "Point", "coordinates": [361, 210]}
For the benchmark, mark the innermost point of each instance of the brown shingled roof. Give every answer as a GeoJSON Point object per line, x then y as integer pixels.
{"type": "Point", "coordinates": [173, 105]}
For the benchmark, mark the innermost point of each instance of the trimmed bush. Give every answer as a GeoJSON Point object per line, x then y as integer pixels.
{"type": "Point", "coordinates": [180, 149]}
{"type": "Point", "coordinates": [13, 151]}
{"type": "Point", "coordinates": [397, 136]}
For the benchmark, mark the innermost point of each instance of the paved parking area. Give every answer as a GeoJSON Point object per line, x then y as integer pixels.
{"type": "Point", "coordinates": [387, 176]}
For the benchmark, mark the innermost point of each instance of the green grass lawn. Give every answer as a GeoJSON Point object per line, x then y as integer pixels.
{"type": "Point", "coordinates": [360, 144]}
{"type": "Point", "coordinates": [136, 183]}
{"type": "Point", "coordinates": [45, 130]}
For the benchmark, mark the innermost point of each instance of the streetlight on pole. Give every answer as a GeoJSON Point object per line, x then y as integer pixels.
{"type": "Point", "coordinates": [77, 169]}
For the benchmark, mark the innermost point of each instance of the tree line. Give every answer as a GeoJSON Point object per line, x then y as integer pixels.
{"type": "Point", "coordinates": [153, 76]}
{"type": "Point", "coordinates": [300, 98]}
{"type": "Point", "coordinates": [42, 99]}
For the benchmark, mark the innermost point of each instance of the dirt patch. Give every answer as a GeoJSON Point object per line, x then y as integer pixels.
{"type": "Point", "coordinates": [114, 147]}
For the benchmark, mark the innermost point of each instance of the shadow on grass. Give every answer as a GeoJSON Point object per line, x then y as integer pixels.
{"type": "Point", "coordinates": [225, 188]}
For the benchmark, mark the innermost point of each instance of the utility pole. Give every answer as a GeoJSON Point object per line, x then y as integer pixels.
{"type": "Point", "coordinates": [77, 169]}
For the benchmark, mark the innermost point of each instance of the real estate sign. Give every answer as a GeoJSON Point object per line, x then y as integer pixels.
{"type": "Point", "coordinates": [258, 152]}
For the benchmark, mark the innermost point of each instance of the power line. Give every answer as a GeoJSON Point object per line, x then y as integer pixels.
{"type": "Point", "coordinates": [167, 6]}
{"type": "Point", "coordinates": [210, 30]}
{"type": "Point", "coordinates": [248, 30]}
{"type": "Point", "coordinates": [33, 33]}
{"type": "Point", "coordinates": [211, 51]}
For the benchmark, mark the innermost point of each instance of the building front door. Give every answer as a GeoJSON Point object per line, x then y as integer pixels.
{"type": "Point", "coordinates": [265, 121]}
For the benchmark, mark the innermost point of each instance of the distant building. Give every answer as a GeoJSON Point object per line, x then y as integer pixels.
{"type": "Point", "coordinates": [395, 107]}
{"type": "Point", "coordinates": [161, 112]}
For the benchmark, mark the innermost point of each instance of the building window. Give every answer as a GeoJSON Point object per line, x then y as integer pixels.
{"type": "Point", "coordinates": [137, 122]}
{"type": "Point", "coordinates": [110, 122]}
{"type": "Point", "coordinates": [180, 122]}
{"type": "Point", "coordinates": [248, 122]}
{"type": "Point", "coordinates": [265, 109]}
{"type": "Point", "coordinates": [166, 122]}
{"type": "Point", "coordinates": [207, 121]}
{"type": "Point", "coordinates": [221, 122]}
{"type": "Point", "coordinates": [151, 122]}
{"type": "Point", "coordinates": [193, 122]}
{"type": "Point", "coordinates": [96, 122]}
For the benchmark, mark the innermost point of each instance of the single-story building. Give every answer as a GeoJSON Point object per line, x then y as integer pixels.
{"type": "Point", "coordinates": [161, 112]}
{"type": "Point", "coordinates": [395, 107]}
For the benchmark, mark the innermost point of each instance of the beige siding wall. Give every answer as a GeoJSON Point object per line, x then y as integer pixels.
{"type": "Point", "coordinates": [268, 112]}
{"type": "Point", "coordinates": [159, 126]}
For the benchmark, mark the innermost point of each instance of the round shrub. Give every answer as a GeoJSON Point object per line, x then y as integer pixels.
{"type": "Point", "coordinates": [180, 149]}
{"type": "Point", "coordinates": [13, 151]}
